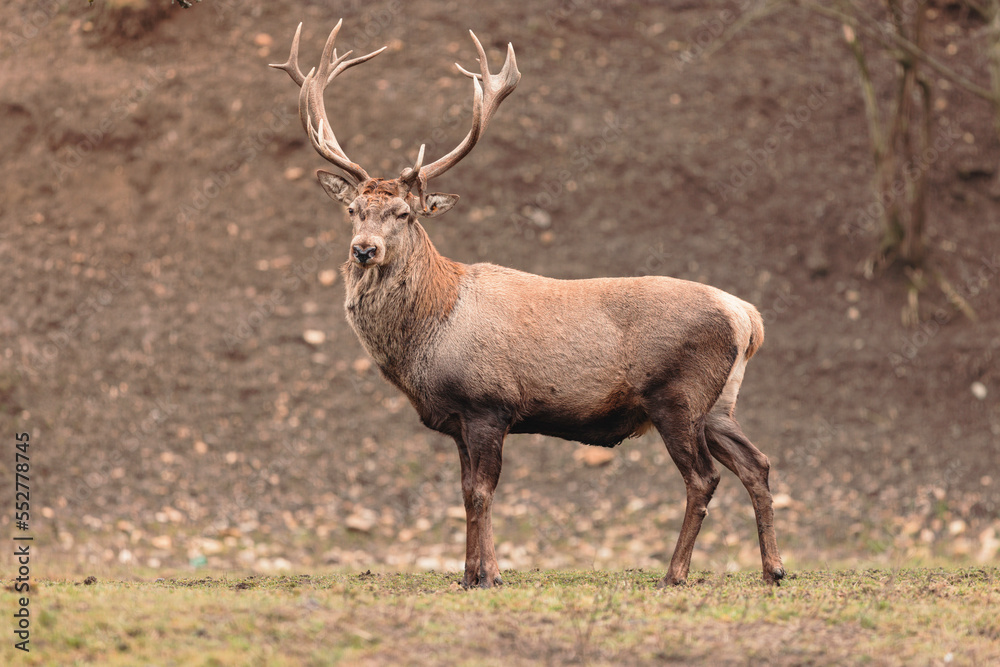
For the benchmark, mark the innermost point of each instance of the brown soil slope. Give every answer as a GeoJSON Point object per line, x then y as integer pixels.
{"type": "Point", "coordinates": [165, 248]}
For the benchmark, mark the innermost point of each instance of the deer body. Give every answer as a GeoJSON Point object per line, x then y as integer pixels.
{"type": "Point", "coordinates": [482, 350]}
{"type": "Point", "coordinates": [566, 358]}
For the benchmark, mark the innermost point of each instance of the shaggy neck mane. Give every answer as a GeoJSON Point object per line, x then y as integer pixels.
{"type": "Point", "coordinates": [431, 278]}
{"type": "Point", "coordinates": [419, 290]}
{"type": "Point", "coordinates": [423, 284]}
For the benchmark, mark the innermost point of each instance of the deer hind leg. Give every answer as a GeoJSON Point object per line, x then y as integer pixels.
{"type": "Point", "coordinates": [685, 441]}
{"type": "Point", "coordinates": [728, 444]}
{"type": "Point", "coordinates": [481, 465]}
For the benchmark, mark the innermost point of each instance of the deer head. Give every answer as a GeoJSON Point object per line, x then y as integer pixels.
{"type": "Point", "coordinates": [383, 211]}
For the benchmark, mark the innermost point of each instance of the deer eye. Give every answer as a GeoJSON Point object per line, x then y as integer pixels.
{"type": "Point", "coordinates": [350, 210]}
{"type": "Point", "coordinates": [403, 215]}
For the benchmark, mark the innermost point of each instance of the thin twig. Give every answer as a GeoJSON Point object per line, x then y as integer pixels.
{"type": "Point", "coordinates": [956, 299]}
{"type": "Point", "coordinates": [743, 21]}
{"type": "Point", "coordinates": [994, 59]}
{"type": "Point", "coordinates": [911, 49]}
{"type": "Point", "coordinates": [868, 93]}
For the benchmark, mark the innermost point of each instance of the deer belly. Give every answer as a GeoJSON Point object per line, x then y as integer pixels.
{"type": "Point", "coordinates": [607, 429]}
{"type": "Point", "coordinates": [602, 418]}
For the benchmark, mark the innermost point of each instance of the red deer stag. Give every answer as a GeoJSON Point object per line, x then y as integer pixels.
{"type": "Point", "coordinates": [482, 350]}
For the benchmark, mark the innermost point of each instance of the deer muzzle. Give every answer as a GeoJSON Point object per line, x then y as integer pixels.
{"type": "Point", "coordinates": [367, 251]}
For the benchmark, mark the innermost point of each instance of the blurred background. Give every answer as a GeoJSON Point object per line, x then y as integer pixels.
{"type": "Point", "coordinates": [172, 331]}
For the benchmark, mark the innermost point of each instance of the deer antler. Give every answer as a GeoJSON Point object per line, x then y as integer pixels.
{"type": "Point", "coordinates": [487, 96]}
{"type": "Point", "coordinates": [311, 106]}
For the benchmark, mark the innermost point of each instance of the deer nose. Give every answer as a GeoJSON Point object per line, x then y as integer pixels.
{"type": "Point", "coordinates": [363, 254]}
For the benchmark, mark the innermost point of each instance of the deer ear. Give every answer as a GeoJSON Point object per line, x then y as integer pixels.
{"type": "Point", "coordinates": [437, 203]}
{"type": "Point", "coordinates": [338, 187]}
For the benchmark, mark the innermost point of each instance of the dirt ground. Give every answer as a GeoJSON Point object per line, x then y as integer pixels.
{"type": "Point", "coordinates": [165, 249]}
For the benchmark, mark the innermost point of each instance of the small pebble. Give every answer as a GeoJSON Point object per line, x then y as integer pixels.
{"type": "Point", "coordinates": [314, 336]}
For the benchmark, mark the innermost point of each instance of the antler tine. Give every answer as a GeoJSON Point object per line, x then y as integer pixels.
{"type": "Point", "coordinates": [409, 175]}
{"type": "Point", "coordinates": [496, 87]}
{"type": "Point", "coordinates": [487, 97]}
{"type": "Point", "coordinates": [340, 66]}
{"type": "Point", "coordinates": [412, 176]}
{"type": "Point", "coordinates": [292, 64]}
{"type": "Point", "coordinates": [483, 64]}
{"type": "Point", "coordinates": [488, 91]}
{"type": "Point", "coordinates": [327, 60]}
{"type": "Point", "coordinates": [312, 109]}
{"type": "Point", "coordinates": [321, 135]}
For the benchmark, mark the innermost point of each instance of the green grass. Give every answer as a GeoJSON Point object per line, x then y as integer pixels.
{"type": "Point", "coordinates": [877, 617]}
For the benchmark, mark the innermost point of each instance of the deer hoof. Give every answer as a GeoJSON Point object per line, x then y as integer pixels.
{"type": "Point", "coordinates": [670, 582]}
{"type": "Point", "coordinates": [774, 575]}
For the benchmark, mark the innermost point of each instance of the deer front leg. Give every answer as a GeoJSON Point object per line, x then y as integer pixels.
{"type": "Point", "coordinates": [471, 577]}
{"type": "Point", "coordinates": [485, 455]}
{"type": "Point", "coordinates": [482, 500]}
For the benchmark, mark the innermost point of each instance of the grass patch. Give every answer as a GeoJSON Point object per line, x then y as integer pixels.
{"type": "Point", "coordinates": [880, 617]}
